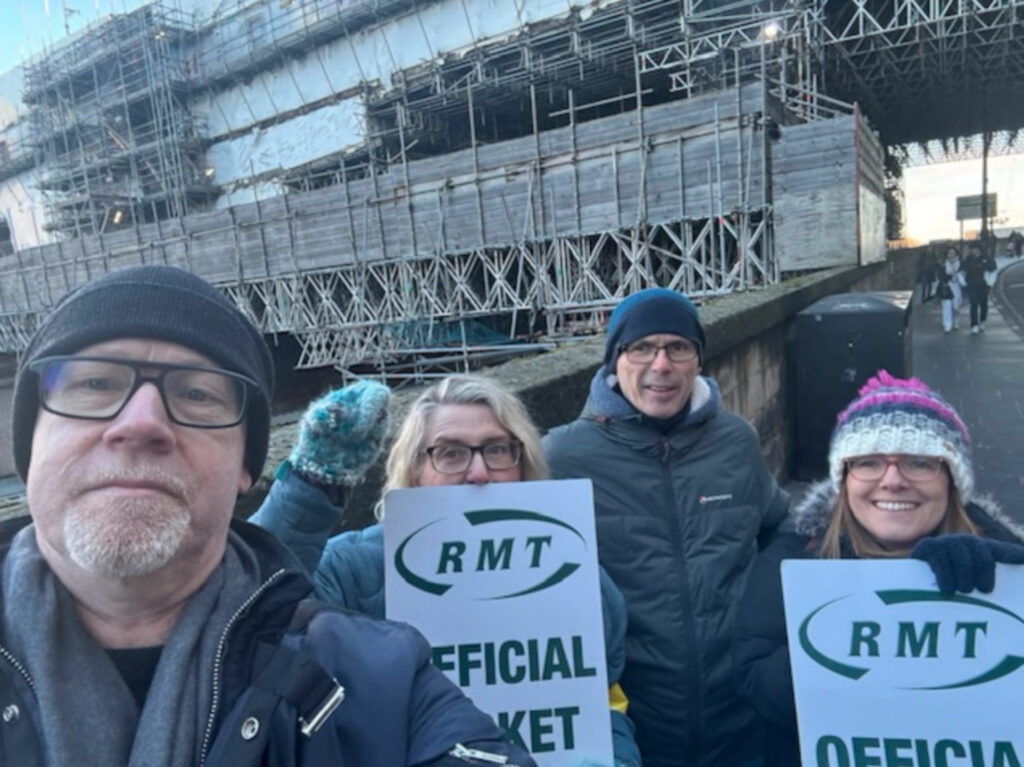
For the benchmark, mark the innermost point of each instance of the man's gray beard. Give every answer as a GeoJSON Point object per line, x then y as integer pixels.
{"type": "Point", "coordinates": [127, 537]}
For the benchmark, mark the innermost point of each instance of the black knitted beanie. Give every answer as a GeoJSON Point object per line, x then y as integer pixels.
{"type": "Point", "coordinates": [163, 303]}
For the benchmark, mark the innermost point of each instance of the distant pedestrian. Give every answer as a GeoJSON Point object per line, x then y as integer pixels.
{"type": "Point", "coordinates": [944, 292]}
{"type": "Point", "coordinates": [987, 241]}
{"type": "Point", "coordinates": [926, 274]}
{"type": "Point", "coordinates": [951, 275]}
{"type": "Point", "coordinates": [1017, 240]}
{"type": "Point", "coordinates": [976, 270]}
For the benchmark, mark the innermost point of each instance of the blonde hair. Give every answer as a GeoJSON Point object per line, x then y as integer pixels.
{"type": "Point", "coordinates": [843, 526]}
{"type": "Point", "coordinates": [407, 456]}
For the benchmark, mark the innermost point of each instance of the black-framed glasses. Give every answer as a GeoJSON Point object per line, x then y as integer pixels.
{"type": "Point", "coordinates": [914, 468]}
{"type": "Point", "coordinates": [641, 352]}
{"type": "Point", "coordinates": [455, 457]}
{"type": "Point", "coordinates": [98, 388]}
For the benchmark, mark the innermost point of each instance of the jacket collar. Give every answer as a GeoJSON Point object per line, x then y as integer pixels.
{"type": "Point", "coordinates": [605, 403]}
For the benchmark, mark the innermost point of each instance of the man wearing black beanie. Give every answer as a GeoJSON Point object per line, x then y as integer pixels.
{"type": "Point", "coordinates": [143, 625]}
{"type": "Point", "coordinates": [682, 499]}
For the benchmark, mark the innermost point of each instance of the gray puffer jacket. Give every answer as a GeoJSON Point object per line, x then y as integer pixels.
{"type": "Point", "coordinates": [680, 515]}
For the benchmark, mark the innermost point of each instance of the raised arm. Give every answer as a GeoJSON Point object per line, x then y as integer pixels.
{"type": "Point", "coordinates": [340, 436]}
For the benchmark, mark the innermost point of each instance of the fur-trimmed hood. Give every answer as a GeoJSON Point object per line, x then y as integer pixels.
{"type": "Point", "coordinates": [814, 511]}
{"type": "Point", "coordinates": [606, 402]}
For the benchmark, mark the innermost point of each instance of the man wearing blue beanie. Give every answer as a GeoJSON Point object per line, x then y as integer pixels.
{"type": "Point", "coordinates": [683, 500]}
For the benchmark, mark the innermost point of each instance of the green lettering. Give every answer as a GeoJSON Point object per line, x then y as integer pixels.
{"type": "Point", "coordinates": [566, 714]}
{"type": "Point", "coordinates": [533, 659]}
{"type": "Point", "coordinates": [924, 757]}
{"type": "Point", "coordinates": [865, 633]}
{"type": "Point", "coordinates": [511, 727]}
{"type": "Point", "coordinates": [538, 729]}
{"type": "Point", "coordinates": [555, 661]}
{"type": "Point", "coordinates": [861, 757]}
{"type": "Point", "coordinates": [537, 542]}
{"type": "Point", "coordinates": [977, 757]}
{"type": "Point", "coordinates": [946, 747]}
{"type": "Point", "coordinates": [1004, 755]}
{"type": "Point", "coordinates": [579, 668]}
{"type": "Point", "coordinates": [438, 655]}
{"type": "Point", "coordinates": [511, 674]}
{"type": "Point", "coordinates": [489, 670]}
{"type": "Point", "coordinates": [496, 559]}
{"type": "Point", "coordinates": [451, 553]}
{"type": "Point", "coordinates": [970, 630]}
{"type": "Point", "coordinates": [831, 744]}
{"type": "Point", "coordinates": [909, 639]}
{"type": "Point", "coordinates": [892, 758]}
{"type": "Point", "coordinates": [468, 660]}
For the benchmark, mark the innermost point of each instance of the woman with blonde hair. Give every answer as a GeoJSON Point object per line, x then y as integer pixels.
{"type": "Point", "coordinates": [901, 484]}
{"type": "Point", "coordinates": [465, 429]}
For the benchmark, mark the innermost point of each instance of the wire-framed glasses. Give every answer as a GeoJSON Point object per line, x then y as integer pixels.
{"type": "Point", "coordinates": [641, 352]}
{"type": "Point", "coordinates": [914, 468]}
{"type": "Point", "coordinates": [98, 388]}
{"type": "Point", "coordinates": [455, 457]}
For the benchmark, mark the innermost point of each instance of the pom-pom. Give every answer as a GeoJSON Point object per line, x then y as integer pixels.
{"type": "Point", "coordinates": [883, 379]}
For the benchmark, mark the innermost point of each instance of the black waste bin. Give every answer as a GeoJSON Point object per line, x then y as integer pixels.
{"type": "Point", "coordinates": [838, 343]}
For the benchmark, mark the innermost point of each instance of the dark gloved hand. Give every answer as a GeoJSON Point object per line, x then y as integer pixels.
{"type": "Point", "coordinates": [341, 434]}
{"type": "Point", "coordinates": [964, 562]}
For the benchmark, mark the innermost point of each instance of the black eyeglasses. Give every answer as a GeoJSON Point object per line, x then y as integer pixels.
{"type": "Point", "coordinates": [914, 468]}
{"type": "Point", "coordinates": [641, 352]}
{"type": "Point", "coordinates": [98, 388]}
{"type": "Point", "coordinates": [455, 458]}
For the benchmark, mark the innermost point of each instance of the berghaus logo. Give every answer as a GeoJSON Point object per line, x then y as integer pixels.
{"type": "Point", "coordinates": [926, 640]}
{"type": "Point", "coordinates": [490, 554]}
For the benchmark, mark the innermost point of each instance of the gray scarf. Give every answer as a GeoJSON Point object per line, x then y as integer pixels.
{"type": "Point", "coordinates": [88, 714]}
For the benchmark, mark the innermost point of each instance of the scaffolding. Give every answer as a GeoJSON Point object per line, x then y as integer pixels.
{"type": "Point", "coordinates": [921, 70]}
{"type": "Point", "coordinates": [508, 193]}
{"type": "Point", "coordinates": [111, 126]}
{"type": "Point", "coordinates": [428, 263]}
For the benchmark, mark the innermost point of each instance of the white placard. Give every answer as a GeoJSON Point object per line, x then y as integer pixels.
{"type": "Point", "coordinates": [503, 581]}
{"type": "Point", "coordinates": [889, 672]}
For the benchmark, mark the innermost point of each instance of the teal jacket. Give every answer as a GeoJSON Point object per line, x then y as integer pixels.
{"type": "Point", "coordinates": [348, 571]}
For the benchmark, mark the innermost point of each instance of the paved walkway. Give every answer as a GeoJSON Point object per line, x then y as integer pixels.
{"type": "Point", "coordinates": [983, 377]}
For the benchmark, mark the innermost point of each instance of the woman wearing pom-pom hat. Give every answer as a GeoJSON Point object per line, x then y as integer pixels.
{"type": "Point", "coordinates": [901, 484]}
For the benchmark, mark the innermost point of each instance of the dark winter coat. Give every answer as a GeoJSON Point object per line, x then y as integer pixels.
{"type": "Point", "coordinates": [279, 662]}
{"type": "Point", "coordinates": [761, 650]}
{"type": "Point", "coordinates": [679, 518]}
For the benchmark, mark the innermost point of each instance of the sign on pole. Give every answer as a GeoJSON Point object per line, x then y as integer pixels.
{"type": "Point", "coordinates": [889, 672]}
{"type": "Point", "coordinates": [969, 208]}
{"type": "Point", "coordinates": [503, 581]}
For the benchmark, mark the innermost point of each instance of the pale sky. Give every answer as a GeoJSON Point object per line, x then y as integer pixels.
{"type": "Point", "coordinates": [931, 192]}
{"type": "Point", "coordinates": [29, 25]}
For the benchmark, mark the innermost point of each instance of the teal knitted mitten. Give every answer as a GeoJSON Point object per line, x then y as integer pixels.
{"type": "Point", "coordinates": [342, 433]}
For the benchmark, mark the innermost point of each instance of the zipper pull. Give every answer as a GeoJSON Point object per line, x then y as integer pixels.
{"type": "Point", "coordinates": [459, 751]}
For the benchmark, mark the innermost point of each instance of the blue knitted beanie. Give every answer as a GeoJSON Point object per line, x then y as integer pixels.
{"type": "Point", "coordinates": [650, 311]}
